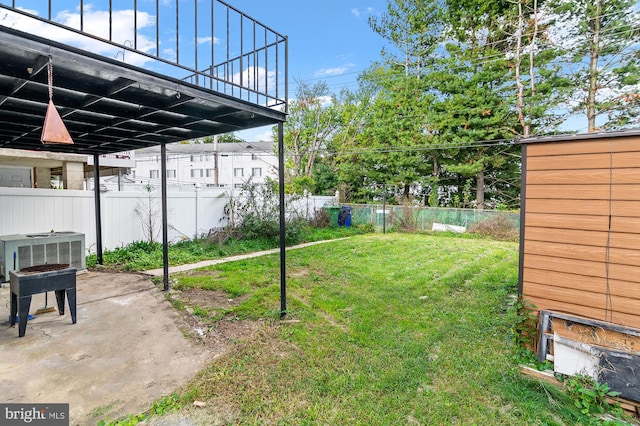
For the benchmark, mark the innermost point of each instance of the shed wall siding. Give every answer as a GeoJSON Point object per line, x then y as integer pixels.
{"type": "Point", "coordinates": [581, 252]}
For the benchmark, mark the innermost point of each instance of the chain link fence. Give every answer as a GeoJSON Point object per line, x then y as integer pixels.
{"type": "Point", "coordinates": [423, 218]}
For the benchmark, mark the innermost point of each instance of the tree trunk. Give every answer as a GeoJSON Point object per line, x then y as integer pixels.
{"type": "Point", "coordinates": [520, 99]}
{"type": "Point", "coordinates": [480, 190]}
{"type": "Point", "coordinates": [435, 186]}
{"type": "Point", "coordinates": [594, 51]}
{"type": "Point", "coordinates": [532, 76]}
{"type": "Point", "coordinates": [297, 158]}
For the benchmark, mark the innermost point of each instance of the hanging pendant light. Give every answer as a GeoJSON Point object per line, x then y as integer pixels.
{"type": "Point", "coordinates": [53, 130]}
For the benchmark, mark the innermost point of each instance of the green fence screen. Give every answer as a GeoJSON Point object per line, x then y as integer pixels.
{"type": "Point", "coordinates": [423, 218]}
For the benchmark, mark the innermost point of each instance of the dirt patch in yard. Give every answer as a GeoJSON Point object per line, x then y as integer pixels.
{"type": "Point", "coordinates": [219, 333]}
{"type": "Point", "coordinates": [217, 330]}
{"type": "Point", "coordinates": [299, 273]}
{"type": "Point", "coordinates": [209, 299]}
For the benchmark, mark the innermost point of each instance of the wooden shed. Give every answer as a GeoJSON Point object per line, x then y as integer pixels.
{"type": "Point", "coordinates": [580, 254]}
{"type": "Point", "coordinates": [580, 225]}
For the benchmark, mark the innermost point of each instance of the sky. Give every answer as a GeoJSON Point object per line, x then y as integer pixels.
{"type": "Point", "coordinates": [325, 42]}
{"type": "Point", "coordinates": [328, 41]}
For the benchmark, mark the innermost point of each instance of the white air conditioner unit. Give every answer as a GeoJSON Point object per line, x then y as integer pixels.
{"type": "Point", "coordinates": [24, 250]}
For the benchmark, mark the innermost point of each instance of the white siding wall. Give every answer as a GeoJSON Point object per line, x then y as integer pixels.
{"type": "Point", "coordinates": [227, 162]}
{"type": "Point", "coordinates": [30, 210]}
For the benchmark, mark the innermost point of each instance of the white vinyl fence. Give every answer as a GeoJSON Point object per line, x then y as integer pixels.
{"type": "Point", "coordinates": [190, 214]}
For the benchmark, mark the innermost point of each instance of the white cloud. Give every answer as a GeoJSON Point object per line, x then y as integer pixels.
{"type": "Point", "coordinates": [257, 134]}
{"type": "Point", "coordinates": [266, 136]}
{"type": "Point", "coordinates": [258, 79]}
{"type": "Point", "coordinates": [169, 54]}
{"type": "Point", "coordinates": [95, 22]}
{"type": "Point", "coordinates": [359, 12]}
{"type": "Point", "coordinates": [325, 100]}
{"type": "Point", "coordinates": [207, 40]}
{"type": "Point", "coordinates": [329, 72]}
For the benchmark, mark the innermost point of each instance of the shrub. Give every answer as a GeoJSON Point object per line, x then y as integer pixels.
{"type": "Point", "coordinates": [590, 396]}
{"type": "Point", "coordinates": [321, 219]}
{"type": "Point", "coordinates": [255, 214]}
{"type": "Point", "coordinates": [295, 231]}
{"type": "Point", "coordinates": [366, 228]}
{"type": "Point", "coordinates": [498, 227]}
{"type": "Point", "coordinates": [406, 220]}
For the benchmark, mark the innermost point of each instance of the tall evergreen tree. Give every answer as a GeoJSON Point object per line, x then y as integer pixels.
{"type": "Point", "coordinates": [534, 59]}
{"type": "Point", "coordinates": [396, 136]}
{"type": "Point", "coordinates": [391, 148]}
{"type": "Point", "coordinates": [474, 91]}
{"type": "Point", "coordinates": [601, 38]}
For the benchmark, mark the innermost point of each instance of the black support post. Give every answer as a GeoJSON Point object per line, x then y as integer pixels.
{"type": "Point", "coordinates": [165, 227]}
{"type": "Point", "coordinates": [96, 197]}
{"type": "Point", "coordinates": [283, 251]}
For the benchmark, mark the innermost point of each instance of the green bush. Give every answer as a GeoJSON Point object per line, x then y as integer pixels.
{"type": "Point", "coordinates": [321, 219]}
{"type": "Point", "coordinates": [255, 214]}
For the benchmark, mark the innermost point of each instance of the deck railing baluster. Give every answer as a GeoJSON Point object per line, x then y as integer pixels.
{"type": "Point", "coordinates": [245, 57]}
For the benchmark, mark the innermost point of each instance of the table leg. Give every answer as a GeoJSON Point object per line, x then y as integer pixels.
{"type": "Point", "coordinates": [14, 308]}
{"type": "Point", "coordinates": [60, 300]}
{"type": "Point", "coordinates": [71, 298]}
{"type": "Point", "coordinates": [24, 303]}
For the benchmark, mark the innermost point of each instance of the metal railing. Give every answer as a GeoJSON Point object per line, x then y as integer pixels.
{"type": "Point", "coordinates": [207, 43]}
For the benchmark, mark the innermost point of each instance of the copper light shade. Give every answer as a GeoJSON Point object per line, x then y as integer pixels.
{"type": "Point", "coordinates": [53, 130]}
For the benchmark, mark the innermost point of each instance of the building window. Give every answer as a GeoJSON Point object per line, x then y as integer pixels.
{"type": "Point", "coordinates": [171, 173]}
{"type": "Point", "coordinates": [154, 174]}
{"type": "Point", "coordinates": [238, 172]}
{"type": "Point", "coordinates": [238, 185]}
{"type": "Point", "coordinates": [195, 158]}
{"type": "Point", "coordinates": [254, 156]}
{"type": "Point", "coordinates": [256, 172]}
{"type": "Point", "coordinates": [196, 173]}
{"type": "Point", "coordinates": [209, 172]}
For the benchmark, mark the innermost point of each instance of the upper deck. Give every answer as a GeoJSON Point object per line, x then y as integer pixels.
{"type": "Point", "coordinates": [131, 73]}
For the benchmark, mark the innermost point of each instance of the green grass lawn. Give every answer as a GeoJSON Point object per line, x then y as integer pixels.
{"type": "Point", "coordinates": [392, 329]}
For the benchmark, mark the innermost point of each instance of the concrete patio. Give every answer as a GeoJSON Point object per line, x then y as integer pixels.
{"type": "Point", "coordinates": [125, 351]}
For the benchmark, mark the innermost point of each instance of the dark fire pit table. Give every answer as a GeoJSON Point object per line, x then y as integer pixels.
{"type": "Point", "coordinates": [40, 279]}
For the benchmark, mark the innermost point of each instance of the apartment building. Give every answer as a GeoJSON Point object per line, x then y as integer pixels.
{"type": "Point", "coordinates": [188, 164]}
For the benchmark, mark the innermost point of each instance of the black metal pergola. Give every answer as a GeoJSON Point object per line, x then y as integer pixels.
{"type": "Point", "coordinates": [109, 106]}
